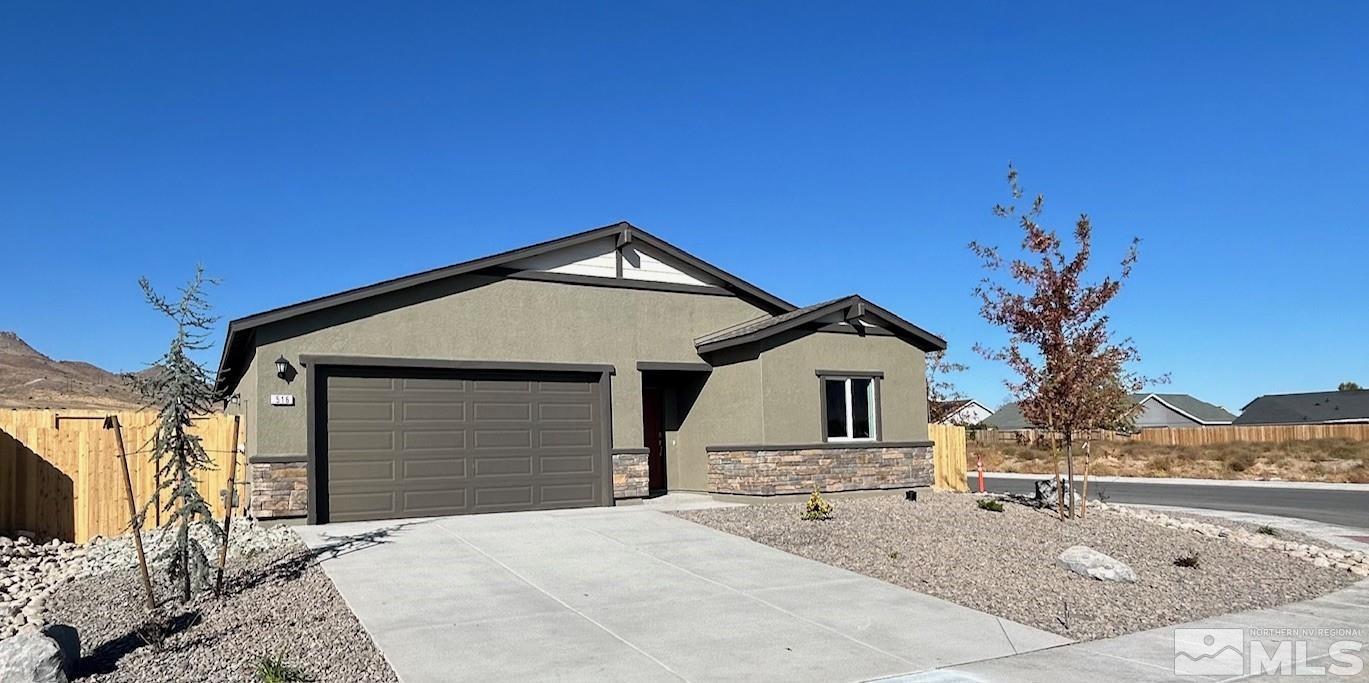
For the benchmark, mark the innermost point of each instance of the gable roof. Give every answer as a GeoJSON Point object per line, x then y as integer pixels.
{"type": "Point", "coordinates": [1190, 407]}
{"type": "Point", "coordinates": [234, 354]}
{"type": "Point", "coordinates": [1010, 416]}
{"type": "Point", "coordinates": [1314, 407]}
{"type": "Point", "coordinates": [941, 410]}
{"type": "Point", "coordinates": [848, 309]}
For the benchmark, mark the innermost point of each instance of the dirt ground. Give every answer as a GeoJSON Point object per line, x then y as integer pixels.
{"type": "Point", "coordinates": [1326, 460]}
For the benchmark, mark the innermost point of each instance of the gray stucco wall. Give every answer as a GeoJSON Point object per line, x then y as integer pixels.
{"type": "Point", "coordinates": [747, 399]}
{"type": "Point", "coordinates": [791, 390]}
{"type": "Point", "coordinates": [508, 320]}
{"type": "Point", "coordinates": [1156, 414]}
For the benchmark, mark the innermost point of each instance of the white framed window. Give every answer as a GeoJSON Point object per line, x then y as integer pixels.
{"type": "Point", "coordinates": [849, 409]}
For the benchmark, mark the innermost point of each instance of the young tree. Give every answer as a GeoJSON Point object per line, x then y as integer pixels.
{"type": "Point", "coordinates": [940, 388]}
{"type": "Point", "coordinates": [1073, 375]}
{"type": "Point", "coordinates": [180, 388]}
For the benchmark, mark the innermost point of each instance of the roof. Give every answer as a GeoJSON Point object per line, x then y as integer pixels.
{"type": "Point", "coordinates": [941, 410]}
{"type": "Point", "coordinates": [1312, 408]}
{"type": "Point", "coordinates": [1010, 416]}
{"type": "Point", "coordinates": [233, 359]}
{"type": "Point", "coordinates": [847, 309]}
{"type": "Point", "coordinates": [1188, 406]}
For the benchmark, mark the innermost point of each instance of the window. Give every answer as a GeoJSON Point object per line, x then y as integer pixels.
{"type": "Point", "coordinates": [849, 408]}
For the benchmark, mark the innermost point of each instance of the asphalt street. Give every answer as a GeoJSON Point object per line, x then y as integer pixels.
{"type": "Point", "coordinates": [1346, 507]}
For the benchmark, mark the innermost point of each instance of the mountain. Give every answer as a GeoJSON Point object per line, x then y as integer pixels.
{"type": "Point", "coordinates": [29, 379]}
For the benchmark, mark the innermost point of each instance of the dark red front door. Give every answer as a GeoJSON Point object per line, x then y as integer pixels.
{"type": "Point", "coordinates": [654, 435]}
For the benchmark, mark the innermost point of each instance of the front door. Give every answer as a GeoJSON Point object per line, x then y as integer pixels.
{"type": "Point", "coordinates": [653, 433]}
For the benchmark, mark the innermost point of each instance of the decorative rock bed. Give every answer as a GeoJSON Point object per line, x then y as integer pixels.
{"type": "Point", "coordinates": [1005, 563]}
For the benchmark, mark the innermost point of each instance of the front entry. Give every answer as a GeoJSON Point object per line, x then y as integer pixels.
{"type": "Point", "coordinates": [653, 432]}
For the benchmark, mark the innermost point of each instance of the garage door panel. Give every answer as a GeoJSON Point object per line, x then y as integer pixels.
{"type": "Point", "coordinates": [363, 411]}
{"type": "Point", "coordinates": [501, 466]}
{"type": "Point", "coordinates": [363, 470]}
{"type": "Point", "coordinates": [366, 505]}
{"type": "Point", "coordinates": [428, 442]}
{"type": "Point", "coordinates": [442, 440]}
{"type": "Point", "coordinates": [503, 438]}
{"type": "Point", "coordinates": [486, 411]}
{"type": "Point", "coordinates": [440, 502]}
{"type": "Point", "coordinates": [434, 411]}
{"type": "Point", "coordinates": [574, 388]}
{"type": "Point", "coordinates": [567, 495]}
{"type": "Point", "coordinates": [447, 468]}
{"type": "Point", "coordinates": [567, 464]}
{"type": "Point", "coordinates": [509, 386]}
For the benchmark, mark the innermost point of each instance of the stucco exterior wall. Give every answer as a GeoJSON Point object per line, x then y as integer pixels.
{"type": "Point", "coordinates": [792, 403]}
{"type": "Point", "coordinates": [516, 320]}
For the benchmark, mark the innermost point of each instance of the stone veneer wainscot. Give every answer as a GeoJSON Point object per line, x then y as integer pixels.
{"type": "Point", "coordinates": [778, 470]}
{"type": "Point", "coordinates": [279, 489]}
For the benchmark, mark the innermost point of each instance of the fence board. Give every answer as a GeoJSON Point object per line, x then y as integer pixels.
{"type": "Point", "coordinates": [60, 476]}
{"type": "Point", "coordinates": [948, 457]}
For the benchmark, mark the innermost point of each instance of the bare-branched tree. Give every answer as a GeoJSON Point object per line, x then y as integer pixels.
{"type": "Point", "coordinates": [1072, 375]}
{"type": "Point", "coordinates": [180, 389]}
{"type": "Point", "coordinates": [941, 389]}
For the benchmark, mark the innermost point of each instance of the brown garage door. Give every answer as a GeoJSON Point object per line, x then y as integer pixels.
{"type": "Point", "coordinates": [415, 443]}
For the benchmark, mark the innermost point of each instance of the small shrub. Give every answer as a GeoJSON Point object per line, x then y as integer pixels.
{"type": "Point", "coordinates": [989, 504]}
{"type": "Point", "coordinates": [274, 669]}
{"type": "Point", "coordinates": [817, 507]}
{"type": "Point", "coordinates": [893, 554]}
{"type": "Point", "coordinates": [1190, 561]}
{"type": "Point", "coordinates": [1267, 530]}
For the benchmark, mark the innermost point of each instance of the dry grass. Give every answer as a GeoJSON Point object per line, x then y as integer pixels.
{"type": "Point", "coordinates": [1327, 460]}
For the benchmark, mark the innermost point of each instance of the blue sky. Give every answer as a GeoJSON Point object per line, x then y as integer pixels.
{"type": "Point", "coordinates": [816, 149]}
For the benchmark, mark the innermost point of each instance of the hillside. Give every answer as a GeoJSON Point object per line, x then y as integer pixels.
{"type": "Point", "coordinates": [29, 379]}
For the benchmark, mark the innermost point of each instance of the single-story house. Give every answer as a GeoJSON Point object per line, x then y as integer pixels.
{"type": "Point", "coordinates": [608, 364]}
{"type": "Point", "coordinates": [1318, 407]}
{"type": "Point", "coordinates": [961, 411]}
{"type": "Point", "coordinates": [1155, 410]}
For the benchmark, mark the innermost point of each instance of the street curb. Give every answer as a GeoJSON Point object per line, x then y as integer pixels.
{"type": "Point", "coordinates": [1235, 483]}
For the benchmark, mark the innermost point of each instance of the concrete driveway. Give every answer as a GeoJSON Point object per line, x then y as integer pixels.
{"type": "Point", "coordinates": [630, 593]}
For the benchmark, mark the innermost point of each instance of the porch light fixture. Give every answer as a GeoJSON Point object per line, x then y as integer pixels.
{"type": "Point", "coordinates": [282, 367]}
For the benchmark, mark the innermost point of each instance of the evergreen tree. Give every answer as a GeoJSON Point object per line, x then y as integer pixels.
{"type": "Point", "coordinates": [179, 389]}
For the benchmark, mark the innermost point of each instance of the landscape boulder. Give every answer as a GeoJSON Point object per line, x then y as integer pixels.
{"type": "Point", "coordinates": [34, 656]}
{"type": "Point", "coordinates": [1086, 561]}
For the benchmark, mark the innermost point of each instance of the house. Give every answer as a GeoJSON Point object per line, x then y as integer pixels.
{"type": "Point", "coordinates": [605, 365]}
{"type": "Point", "coordinates": [962, 411]}
{"type": "Point", "coordinates": [1319, 407]}
{"type": "Point", "coordinates": [1155, 410]}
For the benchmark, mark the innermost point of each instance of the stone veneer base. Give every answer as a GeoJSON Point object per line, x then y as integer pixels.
{"type": "Point", "coordinates": [760, 471]}
{"type": "Point", "coordinates": [630, 475]}
{"type": "Point", "coordinates": [279, 489]}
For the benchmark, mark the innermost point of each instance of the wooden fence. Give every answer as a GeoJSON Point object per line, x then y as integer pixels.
{"type": "Point", "coordinates": [1191, 436]}
{"type": "Point", "coordinates": [948, 457]}
{"type": "Point", "coordinates": [1203, 436]}
{"type": "Point", "coordinates": [60, 474]}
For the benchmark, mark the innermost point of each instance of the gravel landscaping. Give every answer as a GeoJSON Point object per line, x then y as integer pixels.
{"type": "Point", "coordinates": [1004, 562]}
{"type": "Point", "coordinates": [277, 603]}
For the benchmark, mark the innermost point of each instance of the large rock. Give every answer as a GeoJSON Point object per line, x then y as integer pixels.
{"type": "Point", "coordinates": [1086, 561]}
{"type": "Point", "coordinates": [32, 656]}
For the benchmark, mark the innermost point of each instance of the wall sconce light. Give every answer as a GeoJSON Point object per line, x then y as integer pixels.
{"type": "Point", "coordinates": [283, 369]}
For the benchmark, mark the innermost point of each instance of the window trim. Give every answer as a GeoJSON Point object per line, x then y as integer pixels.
{"type": "Point", "coordinates": [877, 422]}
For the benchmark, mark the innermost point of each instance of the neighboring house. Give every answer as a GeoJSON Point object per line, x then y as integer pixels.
{"type": "Point", "coordinates": [1155, 410]}
{"type": "Point", "coordinates": [599, 366]}
{"type": "Point", "coordinates": [965, 411]}
{"type": "Point", "coordinates": [1320, 407]}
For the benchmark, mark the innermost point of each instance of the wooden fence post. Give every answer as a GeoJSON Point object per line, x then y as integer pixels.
{"type": "Point", "coordinates": [134, 519]}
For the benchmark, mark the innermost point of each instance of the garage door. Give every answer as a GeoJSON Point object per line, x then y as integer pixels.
{"type": "Point", "coordinates": [416, 443]}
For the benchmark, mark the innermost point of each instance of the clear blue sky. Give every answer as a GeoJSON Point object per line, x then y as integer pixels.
{"type": "Point", "coordinates": [816, 149]}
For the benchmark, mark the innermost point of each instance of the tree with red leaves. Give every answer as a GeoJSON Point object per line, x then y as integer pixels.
{"type": "Point", "coordinates": [1072, 375]}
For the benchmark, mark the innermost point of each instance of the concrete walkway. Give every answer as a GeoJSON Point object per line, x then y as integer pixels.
{"type": "Point", "coordinates": [630, 593]}
{"type": "Point", "coordinates": [1150, 655]}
